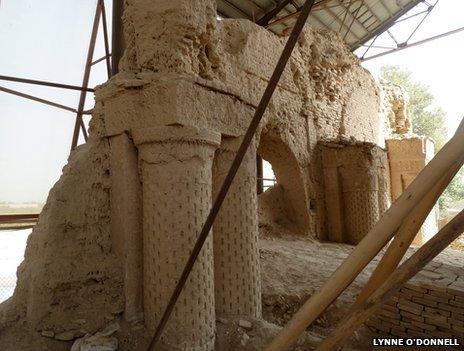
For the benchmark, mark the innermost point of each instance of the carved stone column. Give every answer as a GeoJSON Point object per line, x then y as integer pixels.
{"type": "Point", "coordinates": [176, 164]}
{"type": "Point", "coordinates": [236, 253]}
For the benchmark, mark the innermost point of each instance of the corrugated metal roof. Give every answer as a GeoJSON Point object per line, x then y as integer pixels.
{"type": "Point", "coordinates": [357, 21]}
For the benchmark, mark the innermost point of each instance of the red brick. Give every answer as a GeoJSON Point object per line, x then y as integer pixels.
{"type": "Point", "coordinates": [438, 322]}
{"type": "Point", "coordinates": [450, 308]}
{"type": "Point", "coordinates": [412, 316]}
{"type": "Point", "coordinates": [410, 307]}
{"type": "Point", "coordinates": [424, 325]}
{"type": "Point", "coordinates": [415, 287]}
{"type": "Point", "coordinates": [437, 311]}
{"type": "Point", "coordinates": [436, 298]}
{"type": "Point", "coordinates": [425, 302]}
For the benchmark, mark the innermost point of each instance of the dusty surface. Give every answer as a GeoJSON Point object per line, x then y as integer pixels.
{"type": "Point", "coordinates": [293, 269]}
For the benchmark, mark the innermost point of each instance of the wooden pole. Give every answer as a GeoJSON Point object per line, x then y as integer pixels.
{"type": "Point", "coordinates": [405, 236]}
{"type": "Point", "coordinates": [372, 243]}
{"type": "Point", "coordinates": [405, 272]}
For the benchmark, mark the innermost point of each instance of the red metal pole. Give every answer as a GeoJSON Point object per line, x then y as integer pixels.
{"type": "Point", "coordinates": [18, 217]}
{"type": "Point", "coordinates": [43, 101]}
{"type": "Point", "coordinates": [41, 82]}
{"type": "Point", "coordinates": [85, 82]}
{"type": "Point", "coordinates": [105, 37]}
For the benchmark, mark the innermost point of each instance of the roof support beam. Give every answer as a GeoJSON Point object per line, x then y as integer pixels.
{"type": "Point", "coordinates": [355, 17]}
{"type": "Point", "coordinates": [387, 24]}
{"type": "Point", "coordinates": [417, 43]}
{"type": "Point", "coordinates": [263, 21]}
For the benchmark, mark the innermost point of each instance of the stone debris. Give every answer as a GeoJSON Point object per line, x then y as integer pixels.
{"type": "Point", "coordinates": [101, 341]}
{"type": "Point", "coordinates": [247, 325]}
{"type": "Point", "coordinates": [244, 340]}
{"type": "Point", "coordinates": [65, 336]}
{"type": "Point", "coordinates": [47, 333]}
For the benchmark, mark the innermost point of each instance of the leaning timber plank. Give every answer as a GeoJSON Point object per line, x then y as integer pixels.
{"type": "Point", "coordinates": [405, 272]}
{"type": "Point", "coordinates": [372, 243]}
{"type": "Point", "coordinates": [406, 234]}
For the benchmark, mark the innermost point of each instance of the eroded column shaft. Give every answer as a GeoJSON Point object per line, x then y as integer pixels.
{"type": "Point", "coordinates": [236, 254]}
{"type": "Point", "coordinates": [176, 165]}
{"type": "Point", "coordinates": [126, 220]}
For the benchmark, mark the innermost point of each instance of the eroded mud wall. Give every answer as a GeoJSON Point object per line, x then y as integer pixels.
{"type": "Point", "coordinates": [185, 69]}
{"type": "Point", "coordinates": [236, 255]}
{"type": "Point", "coordinates": [71, 280]}
{"type": "Point", "coordinates": [357, 189]}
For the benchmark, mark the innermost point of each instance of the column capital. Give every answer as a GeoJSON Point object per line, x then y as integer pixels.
{"type": "Point", "coordinates": [176, 133]}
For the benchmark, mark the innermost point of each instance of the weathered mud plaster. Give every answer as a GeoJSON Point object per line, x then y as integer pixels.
{"type": "Point", "coordinates": [395, 100]}
{"type": "Point", "coordinates": [71, 279]}
{"type": "Point", "coordinates": [357, 186]}
{"type": "Point", "coordinates": [236, 255]}
{"type": "Point", "coordinates": [184, 73]}
{"type": "Point", "coordinates": [407, 156]}
{"type": "Point", "coordinates": [126, 220]}
{"type": "Point", "coordinates": [324, 93]}
{"type": "Point", "coordinates": [176, 165]}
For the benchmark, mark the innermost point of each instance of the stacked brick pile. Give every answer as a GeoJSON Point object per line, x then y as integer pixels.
{"type": "Point", "coordinates": [432, 305]}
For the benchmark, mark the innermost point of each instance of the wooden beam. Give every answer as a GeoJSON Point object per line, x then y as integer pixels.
{"type": "Point", "coordinates": [372, 243]}
{"type": "Point", "coordinates": [405, 272]}
{"type": "Point", "coordinates": [405, 236]}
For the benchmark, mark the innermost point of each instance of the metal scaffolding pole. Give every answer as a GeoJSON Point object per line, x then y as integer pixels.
{"type": "Point", "coordinates": [85, 82]}
{"type": "Point", "coordinates": [44, 83]}
{"type": "Point", "coordinates": [417, 43]}
{"type": "Point", "coordinates": [117, 42]}
{"type": "Point", "coordinates": [260, 175]}
{"type": "Point", "coordinates": [105, 37]}
{"type": "Point", "coordinates": [34, 98]}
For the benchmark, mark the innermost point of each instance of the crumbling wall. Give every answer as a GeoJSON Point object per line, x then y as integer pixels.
{"type": "Point", "coordinates": [70, 281]}
{"type": "Point", "coordinates": [407, 156]}
{"type": "Point", "coordinates": [395, 100]}
{"type": "Point", "coordinates": [357, 189]}
{"type": "Point", "coordinates": [183, 70]}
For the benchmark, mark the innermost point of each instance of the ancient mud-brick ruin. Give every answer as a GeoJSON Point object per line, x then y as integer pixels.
{"type": "Point", "coordinates": [119, 225]}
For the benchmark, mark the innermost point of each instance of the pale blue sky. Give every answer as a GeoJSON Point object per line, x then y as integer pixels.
{"type": "Point", "coordinates": [48, 40]}
{"type": "Point", "coordinates": [45, 40]}
{"type": "Point", "coordinates": [438, 64]}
